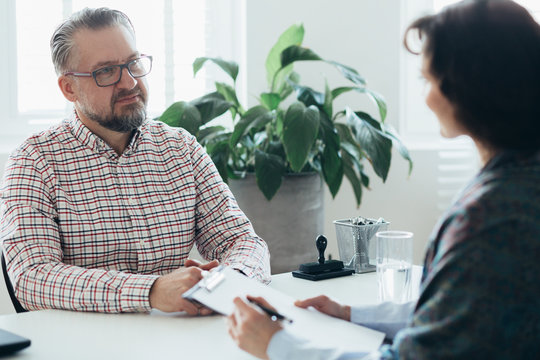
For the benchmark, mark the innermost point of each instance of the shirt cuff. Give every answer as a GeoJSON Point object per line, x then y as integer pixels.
{"type": "Point", "coordinates": [135, 293]}
{"type": "Point", "coordinates": [386, 317]}
{"type": "Point", "coordinates": [285, 345]}
{"type": "Point", "coordinates": [257, 271]}
{"type": "Point", "coordinates": [282, 344]}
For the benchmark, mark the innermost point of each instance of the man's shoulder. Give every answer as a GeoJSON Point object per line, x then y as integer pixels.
{"type": "Point", "coordinates": [161, 132]}
{"type": "Point", "coordinates": [46, 139]}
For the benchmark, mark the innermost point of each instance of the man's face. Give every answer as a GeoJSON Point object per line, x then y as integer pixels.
{"type": "Point", "coordinates": [120, 107]}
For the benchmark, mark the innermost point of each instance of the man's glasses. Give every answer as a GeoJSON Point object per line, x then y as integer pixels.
{"type": "Point", "coordinates": [110, 75]}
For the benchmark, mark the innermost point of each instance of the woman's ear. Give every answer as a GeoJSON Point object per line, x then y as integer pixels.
{"type": "Point", "coordinates": [67, 87]}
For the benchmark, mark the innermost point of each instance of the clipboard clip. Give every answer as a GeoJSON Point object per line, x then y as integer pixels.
{"type": "Point", "coordinates": [212, 279]}
{"type": "Point", "coordinates": [209, 282]}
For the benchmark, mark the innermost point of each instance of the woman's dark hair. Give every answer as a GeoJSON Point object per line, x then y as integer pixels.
{"type": "Point", "coordinates": [486, 55]}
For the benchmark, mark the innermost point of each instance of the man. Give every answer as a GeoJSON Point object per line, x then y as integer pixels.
{"type": "Point", "coordinates": [100, 212]}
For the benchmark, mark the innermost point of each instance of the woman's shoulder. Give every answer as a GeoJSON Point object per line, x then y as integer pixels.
{"type": "Point", "coordinates": [506, 183]}
{"type": "Point", "coordinates": [497, 205]}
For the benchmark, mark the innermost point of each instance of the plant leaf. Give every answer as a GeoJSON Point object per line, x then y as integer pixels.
{"type": "Point", "coordinates": [286, 86]}
{"type": "Point", "coordinates": [208, 133]}
{"type": "Point", "coordinates": [269, 171]}
{"type": "Point", "coordinates": [328, 100]}
{"type": "Point", "coordinates": [379, 101]}
{"type": "Point", "coordinates": [344, 133]}
{"type": "Point", "coordinates": [390, 131]}
{"type": "Point", "coordinates": [348, 170]}
{"type": "Point", "coordinates": [341, 90]}
{"type": "Point", "coordinates": [365, 179]}
{"type": "Point", "coordinates": [270, 100]}
{"type": "Point", "coordinates": [276, 148]}
{"type": "Point", "coordinates": [184, 115]}
{"type": "Point", "coordinates": [255, 118]}
{"type": "Point", "coordinates": [294, 35]}
{"type": "Point", "coordinates": [332, 168]}
{"type": "Point", "coordinates": [211, 106]}
{"type": "Point", "coordinates": [377, 98]}
{"type": "Point", "coordinates": [219, 153]}
{"type": "Point", "coordinates": [328, 132]}
{"type": "Point", "coordinates": [297, 53]}
{"type": "Point", "coordinates": [300, 128]}
{"type": "Point", "coordinates": [230, 67]}
{"type": "Point", "coordinates": [308, 96]}
{"type": "Point", "coordinates": [349, 73]}
{"type": "Point", "coordinates": [229, 94]}
{"type": "Point", "coordinates": [373, 141]}
{"type": "Point", "coordinates": [331, 162]}
{"type": "Point", "coordinates": [366, 117]}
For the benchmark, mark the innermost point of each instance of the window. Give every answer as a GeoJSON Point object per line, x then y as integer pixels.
{"type": "Point", "coordinates": [175, 32]}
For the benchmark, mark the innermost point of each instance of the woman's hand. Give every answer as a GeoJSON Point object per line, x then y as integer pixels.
{"type": "Point", "coordinates": [327, 306]}
{"type": "Point", "coordinates": [250, 328]}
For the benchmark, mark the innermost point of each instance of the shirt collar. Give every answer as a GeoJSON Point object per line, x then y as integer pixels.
{"type": "Point", "coordinates": [97, 144]}
{"type": "Point", "coordinates": [508, 158]}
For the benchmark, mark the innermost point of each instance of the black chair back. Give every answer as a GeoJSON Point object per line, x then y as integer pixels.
{"type": "Point", "coordinates": [16, 304]}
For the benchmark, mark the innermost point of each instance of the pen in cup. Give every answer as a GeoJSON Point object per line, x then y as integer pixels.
{"type": "Point", "coordinates": [274, 315]}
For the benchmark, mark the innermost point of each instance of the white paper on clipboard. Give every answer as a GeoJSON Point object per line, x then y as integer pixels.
{"type": "Point", "coordinates": [218, 289]}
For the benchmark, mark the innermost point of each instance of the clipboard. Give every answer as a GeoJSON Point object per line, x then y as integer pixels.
{"type": "Point", "coordinates": [222, 284]}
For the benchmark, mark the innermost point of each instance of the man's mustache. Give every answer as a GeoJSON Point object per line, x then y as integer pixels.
{"type": "Point", "coordinates": [127, 93]}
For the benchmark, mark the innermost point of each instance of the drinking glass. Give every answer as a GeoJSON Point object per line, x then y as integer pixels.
{"type": "Point", "coordinates": [394, 265]}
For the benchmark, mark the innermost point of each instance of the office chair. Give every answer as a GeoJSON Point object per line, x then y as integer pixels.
{"type": "Point", "coordinates": [16, 304]}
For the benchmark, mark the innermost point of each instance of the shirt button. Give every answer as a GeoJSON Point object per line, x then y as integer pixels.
{"type": "Point", "coordinates": [132, 201]}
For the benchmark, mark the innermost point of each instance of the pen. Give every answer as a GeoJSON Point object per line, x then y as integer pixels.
{"type": "Point", "coordinates": [274, 315]}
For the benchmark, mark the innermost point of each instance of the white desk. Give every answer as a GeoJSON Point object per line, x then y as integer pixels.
{"type": "Point", "coordinates": [71, 335]}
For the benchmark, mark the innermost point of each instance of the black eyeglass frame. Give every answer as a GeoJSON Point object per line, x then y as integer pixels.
{"type": "Point", "coordinates": [121, 66]}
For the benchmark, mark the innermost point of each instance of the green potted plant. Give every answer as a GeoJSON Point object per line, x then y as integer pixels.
{"type": "Point", "coordinates": [288, 142]}
{"type": "Point", "coordinates": [275, 137]}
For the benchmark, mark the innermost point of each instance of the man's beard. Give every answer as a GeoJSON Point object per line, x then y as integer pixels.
{"type": "Point", "coordinates": [133, 117]}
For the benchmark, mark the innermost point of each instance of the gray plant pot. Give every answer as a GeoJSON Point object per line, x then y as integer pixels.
{"type": "Point", "coordinates": [290, 222]}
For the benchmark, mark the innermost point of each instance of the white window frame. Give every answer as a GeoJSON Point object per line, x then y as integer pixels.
{"type": "Point", "coordinates": [412, 105]}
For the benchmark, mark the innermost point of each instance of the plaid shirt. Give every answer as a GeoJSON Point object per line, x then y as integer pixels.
{"type": "Point", "coordinates": [86, 229]}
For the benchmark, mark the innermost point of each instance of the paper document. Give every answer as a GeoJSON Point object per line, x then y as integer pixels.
{"type": "Point", "coordinates": [218, 289]}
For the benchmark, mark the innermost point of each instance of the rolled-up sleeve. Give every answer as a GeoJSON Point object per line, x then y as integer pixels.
{"type": "Point", "coordinates": [223, 230]}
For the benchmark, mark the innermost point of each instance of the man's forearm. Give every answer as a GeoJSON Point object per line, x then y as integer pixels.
{"type": "Point", "coordinates": [60, 286]}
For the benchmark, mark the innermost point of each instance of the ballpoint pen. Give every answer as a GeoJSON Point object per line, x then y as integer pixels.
{"type": "Point", "coordinates": [274, 315]}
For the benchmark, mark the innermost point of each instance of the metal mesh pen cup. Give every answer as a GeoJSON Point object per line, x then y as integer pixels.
{"type": "Point", "coordinates": [355, 245]}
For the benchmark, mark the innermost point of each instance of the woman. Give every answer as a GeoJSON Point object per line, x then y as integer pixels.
{"type": "Point", "coordinates": [480, 291]}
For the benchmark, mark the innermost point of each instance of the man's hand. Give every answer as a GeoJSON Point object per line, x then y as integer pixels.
{"type": "Point", "coordinates": [208, 266]}
{"type": "Point", "coordinates": [325, 305]}
{"type": "Point", "coordinates": [250, 328]}
{"type": "Point", "coordinates": [167, 290]}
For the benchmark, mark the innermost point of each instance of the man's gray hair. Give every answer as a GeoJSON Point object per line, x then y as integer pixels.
{"type": "Point", "coordinates": [62, 40]}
